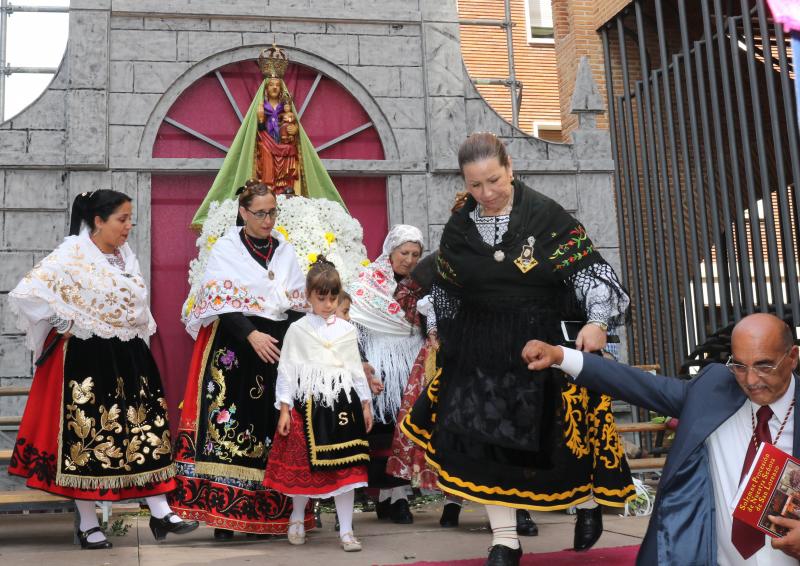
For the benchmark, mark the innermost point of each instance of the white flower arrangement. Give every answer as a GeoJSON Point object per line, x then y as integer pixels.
{"type": "Point", "coordinates": [312, 226]}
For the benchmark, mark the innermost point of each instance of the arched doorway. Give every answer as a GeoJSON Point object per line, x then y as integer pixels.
{"type": "Point", "coordinates": [202, 123]}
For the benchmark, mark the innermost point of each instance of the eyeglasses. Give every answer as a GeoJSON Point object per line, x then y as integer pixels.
{"type": "Point", "coordinates": [262, 214]}
{"type": "Point", "coordinates": [761, 370]}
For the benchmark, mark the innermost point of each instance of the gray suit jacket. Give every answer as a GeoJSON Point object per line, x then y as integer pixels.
{"type": "Point", "coordinates": [681, 530]}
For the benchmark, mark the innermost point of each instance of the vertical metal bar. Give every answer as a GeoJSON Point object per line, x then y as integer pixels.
{"type": "Point", "coordinates": [667, 264]}
{"type": "Point", "coordinates": [659, 330]}
{"type": "Point", "coordinates": [787, 88]}
{"type": "Point", "coordinates": [722, 178]}
{"type": "Point", "coordinates": [766, 193]}
{"type": "Point", "coordinates": [3, 43]}
{"type": "Point", "coordinates": [512, 76]}
{"type": "Point", "coordinates": [744, 129]}
{"type": "Point", "coordinates": [700, 190]}
{"type": "Point", "coordinates": [789, 265]}
{"type": "Point", "coordinates": [748, 302]}
{"type": "Point", "coordinates": [628, 244]}
{"type": "Point", "coordinates": [646, 347]}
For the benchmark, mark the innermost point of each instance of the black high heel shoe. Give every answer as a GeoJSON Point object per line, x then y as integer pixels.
{"type": "Point", "coordinates": [83, 536]}
{"type": "Point", "coordinates": [160, 527]}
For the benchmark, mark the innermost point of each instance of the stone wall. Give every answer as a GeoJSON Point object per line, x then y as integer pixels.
{"type": "Point", "coordinates": [127, 61]}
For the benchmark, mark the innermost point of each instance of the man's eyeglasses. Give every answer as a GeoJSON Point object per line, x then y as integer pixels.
{"type": "Point", "coordinates": [262, 214]}
{"type": "Point", "coordinates": [761, 370]}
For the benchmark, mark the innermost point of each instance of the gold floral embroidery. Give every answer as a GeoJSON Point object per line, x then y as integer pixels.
{"type": "Point", "coordinates": [575, 401]}
{"type": "Point", "coordinates": [258, 391]}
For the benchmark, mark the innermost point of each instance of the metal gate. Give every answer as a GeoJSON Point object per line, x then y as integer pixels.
{"type": "Point", "coordinates": [703, 126]}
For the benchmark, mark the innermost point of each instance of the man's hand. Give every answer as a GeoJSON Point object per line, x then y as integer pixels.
{"type": "Point", "coordinates": [375, 384]}
{"type": "Point", "coordinates": [591, 338]}
{"type": "Point", "coordinates": [790, 543]}
{"type": "Point", "coordinates": [265, 346]}
{"type": "Point", "coordinates": [541, 355]}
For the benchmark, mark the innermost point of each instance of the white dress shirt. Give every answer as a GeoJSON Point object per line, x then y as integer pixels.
{"type": "Point", "coordinates": [727, 447]}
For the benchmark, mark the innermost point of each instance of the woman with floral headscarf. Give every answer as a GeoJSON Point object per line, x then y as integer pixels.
{"type": "Point", "coordinates": [391, 344]}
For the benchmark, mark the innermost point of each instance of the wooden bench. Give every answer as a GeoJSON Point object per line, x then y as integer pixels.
{"type": "Point", "coordinates": [649, 463]}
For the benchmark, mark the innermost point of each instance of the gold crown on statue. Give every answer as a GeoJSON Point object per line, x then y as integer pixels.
{"type": "Point", "coordinates": [273, 62]}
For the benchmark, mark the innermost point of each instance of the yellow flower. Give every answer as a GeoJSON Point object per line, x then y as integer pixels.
{"type": "Point", "coordinates": [283, 231]}
{"type": "Point", "coordinates": [189, 305]}
{"type": "Point", "coordinates": [330, 237]}
{"type": "Point", "coordinates": [312, 258]}
{"type": "Point", "coordinates": [365, 262]}
{"type": "Point", "coordinates": [212, 240]}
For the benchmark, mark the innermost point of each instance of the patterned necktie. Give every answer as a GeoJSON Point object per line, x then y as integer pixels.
{"type": "Point", "coordinates": [748, 540]}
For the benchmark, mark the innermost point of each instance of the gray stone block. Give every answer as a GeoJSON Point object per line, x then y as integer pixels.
{"type": "Point", "coordinates": [241, 25]}
{"type": "Point", "coordinates": [35, 230]}
{"type": "Point", "coordinates": [192, 24]}
{"type": "Point", "coordinates": [266, 39]}
{"type": "Point", "coordinates": [379, 81]}
{"type": "Point", "coordinates": [592, 144]}
{"type": "Point", "coordinates": [289, 4]}
{"type": "Point", "coordinates": [46, 113]}
{"type": "Point", "coordinates": [404, 112]}
{"type": "Point", "coordinates": [394, 198]}
{"type": "Point", "coordinates": [15, 265]}
{"type": "Point", "coordinates": [87, 50]}
{"type": "Point", "coordinates": [411, 144]}
{"type": "Point", "coordinates": [8, 319]}
{"type": "Point", "coordinates": [14, 405]}
{"type": "Point", "coordinates": [435, 236]}
{"type": "Point", "coordinates": [560, 151]}
{"type": "Point", "coordinates": [156, 77]}
{"type": "Point", "coordinates": [443, 61]}
{"type": "Point", "coordinates": [586, 96]}
{"type": "Point", "coordinates": [90, 4]}
{"type": "Point", "coordinates": [414, 201]}
{"type": "Point", "coordinates": [390, 51]}
{"type": "Point", "coordinates": [121, 79]}
{"type": "Point", "coordinates": [598, 210]}
{"type": "Point", "coordinates": [526, 148]}
{"type": "Point", "coordinates": [13, 143]}
{"type": "Point", "coordinates": [197, 45]}
{"type": "Point", "coordinates": [124, 141]}
{"type": "Point", "coordinates": [87, 138]}
{"type": "Point", "coordinates": [561, 188]}
{"type": "Point", "coordinates": [46, 147]}
{"type": "Point", "coordinates": [127, 22]}
{"type": "Point", "coordinates": [378, 6]}
{"type": "Point", "coordinates": [130, 109]}
{"type": "Point", "coordinates": [339, 49]}
{"type": "Point", "coordinates": [447, 131]}
{"type": "Point", "coordinates": [298, 27]}
{"type": "Point", "coordinates": [145, 45]}
{"type": "Point", "coordinates": [85, 181]}
{"type": "Point", "coordinates": [15, 358]}
{"type": "Point", "coordinates": [411, 81]}
{"type": "Point", "coordinates": [442, 191]}
{"type": "Point", "coordinates": [35, 189]}
{"type": "Point", "coordinates": [440, 11]}
{"type": "Point", "coordinates": [482, 118]}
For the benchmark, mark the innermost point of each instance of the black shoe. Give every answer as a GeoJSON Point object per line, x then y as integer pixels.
{"type": "Point", "coordinates": [160, 527]}
{"type": "Point", "coordinates": [500, 555]}
{"type": "Point", "coordinates": [450, 514]}
{"type": "Point", "coordinates": [86, 545]}
{"type": "Point", "coordinates": [383, 508]}
{"type": "Point", "coordinates": [588, 528]}
{"type": "Point", "coordinates": [525, 524]}
{"type": "Point", "coordinates": [223, 534]}
{"type": "Point", "coordinates": [400, 513]}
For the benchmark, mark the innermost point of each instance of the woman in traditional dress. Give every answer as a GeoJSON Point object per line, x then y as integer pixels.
{"type": "Point", "coordinates": [390, 343]}
{"type": "Point", "coordinates": [238, 317]}
{"type": "Point", "coordinates": [95, 426]}
{"type": "Point", "coordinates": [512, 264]}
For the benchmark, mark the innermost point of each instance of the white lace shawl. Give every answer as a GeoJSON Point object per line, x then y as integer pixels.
{"type": "Point", "coordinates": [77, 283]}
{"type": "Point", "coordinates": [235, 282]}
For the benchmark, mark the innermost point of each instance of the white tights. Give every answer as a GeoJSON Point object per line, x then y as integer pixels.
{"type": "Point", "coordinates": [503, 521]}
{"type": "Point", "coordinates": [344, 510]}
{"type": "Point", "coordinates": [88, 515]}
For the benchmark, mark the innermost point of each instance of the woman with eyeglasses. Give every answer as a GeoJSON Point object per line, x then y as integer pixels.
{"type": "Point", "coordinates": [238, 318]}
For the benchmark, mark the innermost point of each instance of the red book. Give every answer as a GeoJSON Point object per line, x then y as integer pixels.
{"type": "Point", "coordinates": [771, 487]}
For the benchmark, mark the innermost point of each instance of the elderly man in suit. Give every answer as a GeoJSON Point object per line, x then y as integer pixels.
{"type": "Point", "coordinates": [724, 412]}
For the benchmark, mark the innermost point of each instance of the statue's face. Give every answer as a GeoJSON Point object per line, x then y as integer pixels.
{"type": "Point", "coordinates": [274, 88]}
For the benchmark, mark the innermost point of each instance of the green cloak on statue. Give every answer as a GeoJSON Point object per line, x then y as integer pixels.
{"type": "Point", "coordinates": [239, 164]}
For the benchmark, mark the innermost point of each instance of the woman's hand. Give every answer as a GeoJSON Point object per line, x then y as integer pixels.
{"type": "Point", "coordinates": [285, 420]}
{"type": "Point", "coordinates": [265, 346]}
{"type": "Point", "coordinates": [591, 338]}
{"type": "Point", "coordinates": [375, 384]}
{"type": "Point", "coordinates": [366, 406]}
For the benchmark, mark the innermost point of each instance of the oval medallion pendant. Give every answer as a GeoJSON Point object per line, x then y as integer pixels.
{"type": "Point", "coordinates": [271, 275]}
{"type": "Point", "coordinates": [499, 256]}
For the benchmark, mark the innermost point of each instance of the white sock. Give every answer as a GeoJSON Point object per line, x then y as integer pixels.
{"type": "Point", "coordinates": [159, 508]}
{"type": "Point", "coordinates": [503, 521]}
{"type": "Point", "coordinates": [299, 503]}
{"type": "Point", "coordinates": [384, 494]}
{"type": "Point", "coordinates": [88, 516]}
{"type": "Point", "coordinates": [588, 504]}
{"type": "Point", "coordinates": [399, 493]}
{"type": "Point", "coordinates": [344, 510]}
